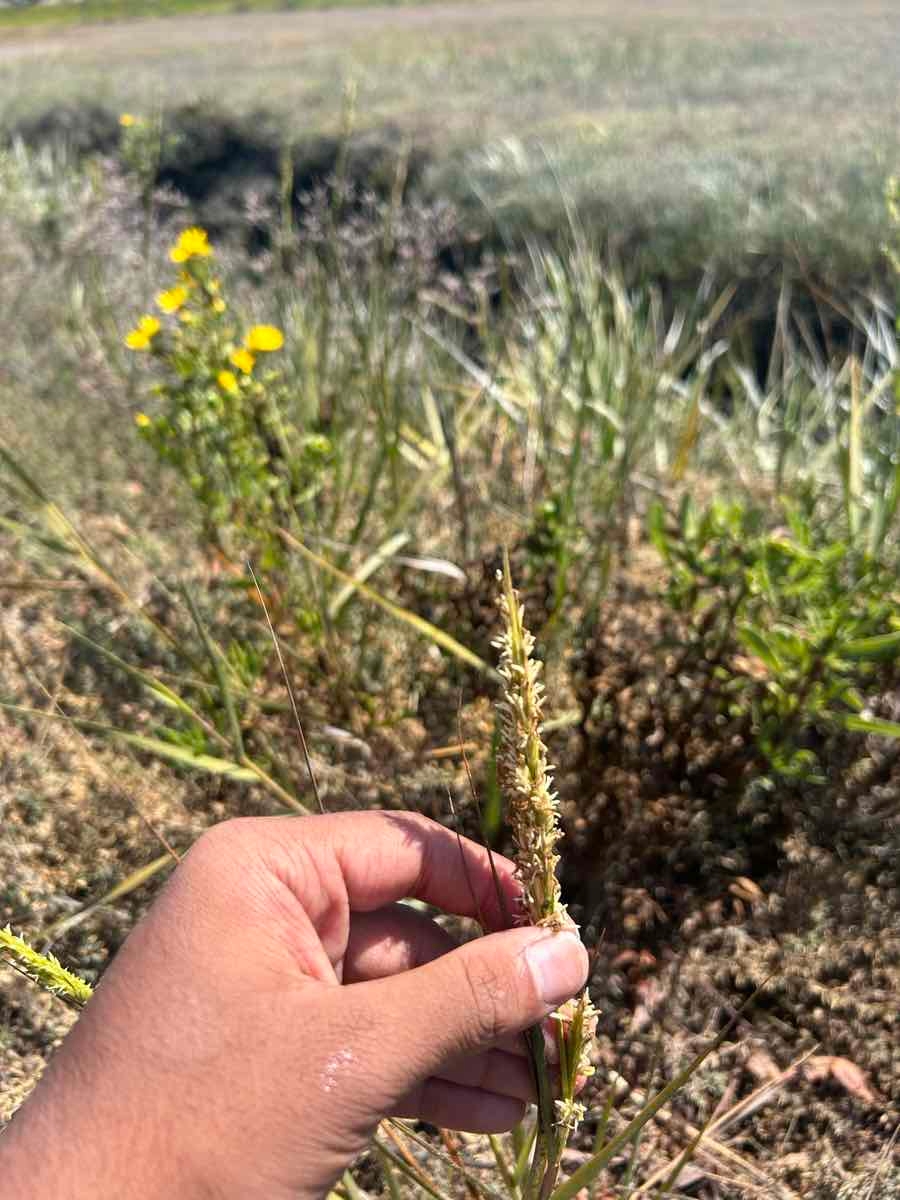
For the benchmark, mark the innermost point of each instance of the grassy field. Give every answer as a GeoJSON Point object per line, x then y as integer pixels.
{"type": "Point", "coordinates": [686, 133]}
{"type": "Point", "coordinates": [602, 283]}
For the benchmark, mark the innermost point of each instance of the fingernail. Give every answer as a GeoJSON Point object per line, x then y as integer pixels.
{"type": "Point", "coordinates": [559, 966]}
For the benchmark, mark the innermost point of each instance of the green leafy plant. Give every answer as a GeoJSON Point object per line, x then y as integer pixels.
{"type": "Point", "coordinates": [795, 627]}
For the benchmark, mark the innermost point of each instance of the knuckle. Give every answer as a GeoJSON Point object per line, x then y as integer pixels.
{"type": "Point", "coordinates": [219, 845]}
{"type": "Point", "coordinates": [491, 992]}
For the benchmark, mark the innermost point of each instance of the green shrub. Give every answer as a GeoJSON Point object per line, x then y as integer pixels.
{"type": "Point", "coordinates": [796, 625]}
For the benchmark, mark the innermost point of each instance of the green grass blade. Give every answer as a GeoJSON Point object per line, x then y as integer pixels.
{"type": "Point", "coordinates": [209, 764]}
{"type": "Point", "coordinates": [182, 757]}
{"type": "Point", "coordinates": [882, 646]}
{"type": "Point", "coordinates": [888, 729]}
{"type": "Point", "coordinates": [218, 663]}
{"type": "Point", "coordinates": [506, 1171]}
{"type": "Point", "coordinates": [166, 695]}
{"type": "Point", "coordinates": [64, 531]}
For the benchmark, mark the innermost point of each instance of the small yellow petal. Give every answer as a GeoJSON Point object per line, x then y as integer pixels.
{"type": "Point", "coordinates": [141, 337]}
{"type": "Point", "coordinates": [228, 381]}
{"type": "Point", "coordinates": [173, 299]}
{"type": "Point", "coordinates": [264, 339]}
{"type": "Point", "coordinates": [127, 120]}
{"type": "Point", "coordinates": [142, 420]}
{"type": "Point", "coordinates": [219, 305]}
{"type": "Point", "coordinates": [193, 243]}
{"type": "Point", "coordinates": [243, 360]}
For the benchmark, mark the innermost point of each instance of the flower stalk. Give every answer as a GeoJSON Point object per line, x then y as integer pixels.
{"type": "Point", "coordinates": [532, 813]}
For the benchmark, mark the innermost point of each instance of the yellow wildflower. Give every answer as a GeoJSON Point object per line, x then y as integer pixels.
{"type": "Point", "coordinates": [193, 243]}
{"type": "Point", "coordinates": [228, 382]}
{"type": "Point", "coordinates": [173, 299]}
{"type": "Point", "coordinates": [264, 338]}
{"type": "Point", "coordinates": [141, 337]}
{"type": "Point", "coordinates": [219, 305]}
{"type": "Point", "coordinates": [142, 420]}
{"type": "Point", "coordinates": [243, 360]}
{"type": "Point", "coordinates": [127, 120]}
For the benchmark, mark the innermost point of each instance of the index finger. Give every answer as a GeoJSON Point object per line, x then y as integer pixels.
{"type": "Point", "coordinates": [388, 856]}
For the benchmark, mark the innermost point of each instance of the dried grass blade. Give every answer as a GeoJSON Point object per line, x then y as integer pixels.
{"type": "Point", "coordinates": [592, 1168]}
{"type": "Point", "coordinates": [419, 624]}
{"type": "Point", "coordinates": [124, 887]}
{"type": "Point", "coordinates": [290, 691]}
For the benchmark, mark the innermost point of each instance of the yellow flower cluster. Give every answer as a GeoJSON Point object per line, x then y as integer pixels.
{"type": "Point", "coordinates": [129, 120]}
{"type": "Point", "coordinates": [192, 247]}
{"type": "Point", "coordinates": [261, 339]}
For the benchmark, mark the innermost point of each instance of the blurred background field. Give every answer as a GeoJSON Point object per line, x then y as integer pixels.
{"type": "Point", "coordinates": [611, 284]}
{"type": "Point", "coordinates": [691, 133]}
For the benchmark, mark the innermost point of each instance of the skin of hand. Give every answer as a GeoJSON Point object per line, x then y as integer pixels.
{"type": "Point", "coordinates": [277, 1001]}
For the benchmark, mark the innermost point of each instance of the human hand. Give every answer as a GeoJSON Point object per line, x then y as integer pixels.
{"type": "Point", "coordinates": [221, 1057]}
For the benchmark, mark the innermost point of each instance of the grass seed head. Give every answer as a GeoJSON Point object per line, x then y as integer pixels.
{"type": "Point", "coordinates": [522, 768]}
{"type": "Point", "coordinates": [44, 969]}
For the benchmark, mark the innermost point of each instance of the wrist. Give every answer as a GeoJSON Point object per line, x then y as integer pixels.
{"type": "Point", "coordinates": [56, 1137]}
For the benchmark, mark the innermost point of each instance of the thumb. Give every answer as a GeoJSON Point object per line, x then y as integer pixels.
{"type": "Point", "coordinates": [465, 1001]}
